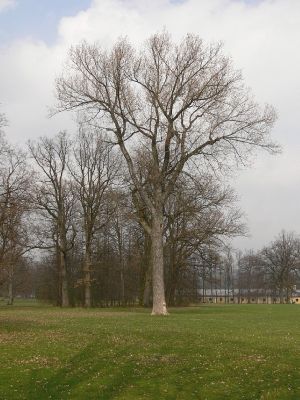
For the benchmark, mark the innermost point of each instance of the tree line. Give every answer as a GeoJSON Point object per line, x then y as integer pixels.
{"type": "Point", "coordinates": [67, 214]}
{"type": "Point", "coordinates": [124, 205]}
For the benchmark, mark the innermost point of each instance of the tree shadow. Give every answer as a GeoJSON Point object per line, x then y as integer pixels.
{"type": "Point", "coordinates": [82, 370]}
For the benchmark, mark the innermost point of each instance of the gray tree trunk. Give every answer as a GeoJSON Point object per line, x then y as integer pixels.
{"type": "Point", "coordinates": [64, 282]}
{"type": "Point", "coordinates": [10, 299]}
{"type": "Point", "coordinates": [281, 295]}
{"type": "Point", "coordinates": [87, 278]}
{"type": "Point", "coordinates": [159, 301]}
{"type": "Point", "coordinates": [146, 274]}
{"type": "Point", "coordinates": [87, 286]}
{"type": "Point", "coordinates": [122, 281]}
{"type": "Point", "coordinates": [121, 262]}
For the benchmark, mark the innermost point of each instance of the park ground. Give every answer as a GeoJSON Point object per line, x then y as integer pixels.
{"type": "Point", "coordinates": [207, 352]}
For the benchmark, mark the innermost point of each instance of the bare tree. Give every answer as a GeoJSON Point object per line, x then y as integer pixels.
{"type": "Point", "coordinates": [199, 213]}
{"type": "Point", "coordinates": [179, 103]}
{"type": "Point", "coordinates": [93, 169]}
{"type": "Point", "coordinates": [281, 259]}
{"type": "Point", "coordinates": [228, 262]}
{"type": "Point", "coordinates": [250, 265]}
{"type": "Point", "coordinates": [54, 198]}
{"type": "Point", "coordinates": [15, 183]}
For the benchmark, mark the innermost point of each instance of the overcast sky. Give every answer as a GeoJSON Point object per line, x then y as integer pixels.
{"type": "Point", "coordinates": [262, 37]}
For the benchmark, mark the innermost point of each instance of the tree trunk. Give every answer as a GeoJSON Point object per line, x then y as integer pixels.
{"type": "Point", "coordinates": [64, 282]}
{"type": "Point", "coordinates": [173, 282]}
{"type": "Point", "coordinates": [171, 295]}
{"type": "Point", "coordinates": [87, 278]}
{"type": "Point", "coordinates": [281, 295]}
{"type": "Point", "coordinates": [121, 261]}
{"type": "Point", "coordinates": [122, 282]}
{"type": "Point", "coordinates": [10, 299]}
{"type": "Point", "coordinates": [146, 274]}
{"type": "Point", "coordinates": [173, 279]}
{"type": "Point", "coordinates": [159, 301]}
{"type": "Point", "coordinates": [87, 291]}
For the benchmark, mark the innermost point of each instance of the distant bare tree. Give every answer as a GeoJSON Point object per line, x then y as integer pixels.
{"type": "Point", "coordinates": [228, 263]}
{"type": "Point", "coordinates": [15, 185]}
{"type": "Point", "coordinates": [250, 265]}
{"type": "Point", "coordinates": [55, 200]}
{"type": "Point", "coordinates": [198, 214]}
{"type": "Point", "coordinates": [282, 258]}
{"type": "Point", "coordinates": [179, 103]}
{"type": "Point", "coordinates": [119, 228]}
{"type": "Point", "coordinates": [93, 169]}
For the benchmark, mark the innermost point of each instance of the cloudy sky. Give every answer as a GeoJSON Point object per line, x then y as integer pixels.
{"type": "Point", "coordinates": [262, 36]}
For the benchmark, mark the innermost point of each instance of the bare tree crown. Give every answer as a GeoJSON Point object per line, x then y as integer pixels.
{"type": "Point", "coordinates": [185, 99]}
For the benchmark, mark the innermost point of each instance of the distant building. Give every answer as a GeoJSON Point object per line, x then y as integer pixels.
{"type": "Point", "coordinates": [243, 296]}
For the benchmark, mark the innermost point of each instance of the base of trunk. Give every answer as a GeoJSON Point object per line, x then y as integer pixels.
{"type": "Point", "coordinates": [160, 310]}
{"type": "Point", "coordinates": [157, 263]}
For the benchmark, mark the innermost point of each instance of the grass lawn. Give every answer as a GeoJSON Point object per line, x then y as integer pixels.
{"type": "Point", "coordinates": [208, 352]}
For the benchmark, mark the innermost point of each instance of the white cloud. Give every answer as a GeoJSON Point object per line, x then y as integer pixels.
{"type": "Point", "coordinates": [263, 40]}
{"type": "Point", "coordinates": [6, 4]}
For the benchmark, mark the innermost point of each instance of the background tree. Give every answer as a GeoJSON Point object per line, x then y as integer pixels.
{"type": "Point", "coordinates": [200, 213]}
{"type": "Point", "coordinates": [281, 259]}
{"type": "Point", "coordinates": [93, 168]}
{"type": "Point", "coordinates": [250, 268]}
{"type": "Point", "coordinates": [228, 263]}
{"type": "Point", "coordinates": [54, 198]}
{"type": "Point", "coordinates": [15, 185]}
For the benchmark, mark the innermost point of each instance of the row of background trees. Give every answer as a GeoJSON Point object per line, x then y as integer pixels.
{"type": "Point", "coordinates": [69, 233]}
{"type": "Point", "coordinates": [67, 217]}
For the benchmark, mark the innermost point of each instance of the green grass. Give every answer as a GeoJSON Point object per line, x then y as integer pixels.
{"type": "Point", "coordinates": [209, 352]}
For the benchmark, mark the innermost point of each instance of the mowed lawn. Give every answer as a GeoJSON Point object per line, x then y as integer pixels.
{"type": "Point", "coordinates": [208, 352]}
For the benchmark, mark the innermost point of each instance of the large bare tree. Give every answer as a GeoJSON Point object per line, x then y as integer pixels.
{"type": "Point", "coordinates": [178, 103]}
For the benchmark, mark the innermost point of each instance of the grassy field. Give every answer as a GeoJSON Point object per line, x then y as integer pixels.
{"type": "Point", "coordinates": [209, 352]}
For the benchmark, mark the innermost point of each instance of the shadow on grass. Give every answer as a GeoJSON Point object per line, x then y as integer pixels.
{"type": "Point", "coordinates": [86, 376]}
